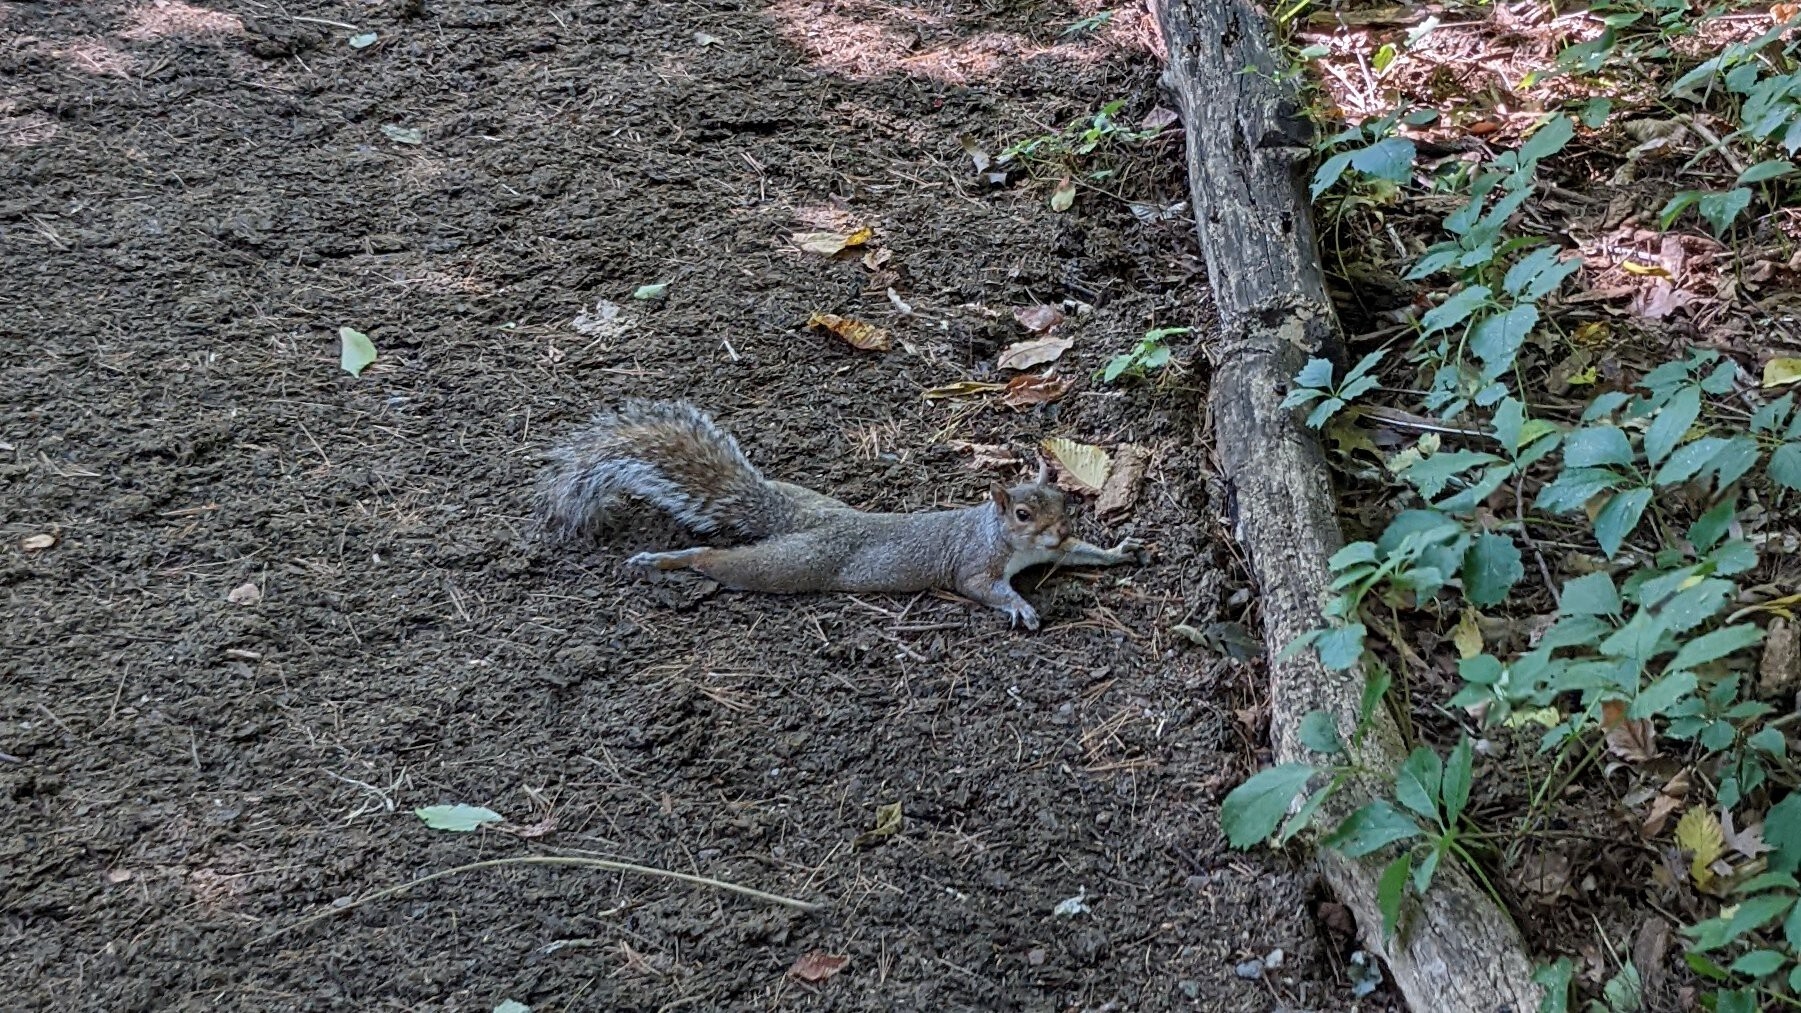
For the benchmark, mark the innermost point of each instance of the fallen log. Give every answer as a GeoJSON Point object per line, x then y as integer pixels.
{"type": "Point", "coordinates": [1248, 148]}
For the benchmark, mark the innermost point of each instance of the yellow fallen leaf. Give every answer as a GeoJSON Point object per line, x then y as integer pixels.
{"type": "Point", "coordinates": [1468, 635]}
{"type": "Point", "coordinates": [1593, 333]}
{"type": "Point", "coordinates": [887, 824]}
{"type": "Point", "coordinates": [962, 388]}
{"type": "Point", "coordinates": [828, 243]}
{"type": "Point", "coordinates": [1781, 371]}
{"type": "Point", "coordinates": [1085, 467]}
{"type": "Point", "coordinates": [1654, 270]}
{"type": "Point", "coordinates": [1064, 195]}
{"type": "Point", "coordinates": [37, 543]}
{"type": "Point", "coordinates": [1699, 833]}
{"type": "Point", "coordinates": [868, 337]}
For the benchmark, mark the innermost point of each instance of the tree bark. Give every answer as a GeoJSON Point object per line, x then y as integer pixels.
{"type": "Point", "coordinates": [1248, 149]}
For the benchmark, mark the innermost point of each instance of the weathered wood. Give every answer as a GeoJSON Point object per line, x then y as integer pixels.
{"type": "Point", "coordinates": [1247, 153]}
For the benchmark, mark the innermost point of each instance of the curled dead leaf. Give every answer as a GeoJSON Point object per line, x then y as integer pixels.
{"type": "Point", "coordinates": [1780, 372]}
{"type": "Point", "coordinates": [1036, 352]}
{"type": "Point", "coordinates": [1120, 492]}
{"type": "Point", "coordinates": [37, 543]}
{"type": "Point", "coordinates": [816, 966]}
{"type": "Point", "coordinates": [1029, 389]}
{"type": "Point", "coordinates": [858, 334]}
{"type": "Point", "coordinates": [827, 244]}
{"type": "Point", "coordinates": [962, 388]}
{"type": "Point", "coordinates": [246, 593]}
{"type": "Point", "coordinates": [988, 456]}
{"type": "Point", "coordinates": [1632, 741]}
{"type": "Point", "coordinates": [875, 258]}
{"type": "Point", "coordinates": [1080, 467]}
{"type": "Point", "coordinates": [1038, 318]}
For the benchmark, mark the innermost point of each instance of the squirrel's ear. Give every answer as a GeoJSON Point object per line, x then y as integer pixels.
{"type": "Point", "coordinates": [1002, 498]}
{"type": "Point", "coordinates": [1044, 471]}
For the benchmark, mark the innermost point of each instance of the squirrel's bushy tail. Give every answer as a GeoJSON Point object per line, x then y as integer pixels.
{"type": "Point", "coordinates": [669, 454]}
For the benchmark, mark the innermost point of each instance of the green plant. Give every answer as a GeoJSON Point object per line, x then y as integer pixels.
{"type": "Point", "coordinates": [1314, 383]}
{"type": "Point", "coordinates": [1151, 353]}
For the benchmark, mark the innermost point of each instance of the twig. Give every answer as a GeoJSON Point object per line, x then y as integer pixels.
{"type": "Point", "coordinates": [1714, 143]}
{"type": "Point", "coordinates": [494, 863]}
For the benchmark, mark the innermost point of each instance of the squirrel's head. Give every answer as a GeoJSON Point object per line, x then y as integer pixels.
{"type": "Point", "coordinates": [1033, 514]}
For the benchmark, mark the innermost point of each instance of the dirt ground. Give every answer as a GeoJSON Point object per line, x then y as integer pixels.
{"type": "Point", "coordinates": [194, 200]}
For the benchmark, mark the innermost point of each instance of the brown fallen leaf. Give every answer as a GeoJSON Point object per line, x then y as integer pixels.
{"type": "Point", "coordinates": [1120, 492]}
{"type": "Point", "coordinates": [830, 243]}
{"type": "Point", "coordinates": [875, 258]}
{"type": "Point", "coordinates": [37, 543]}
{"type": "Point", "coordinates": [976, 154]}
{"type": "Point", "coordinates": [529, 831]}
{"type": "Point", "coordinates": [1780, 667]}
{"type": "Point", "coordinates": [887, 824]}
{"type": "Point", "coordinates": [1545, 874]}
{"type": "Point", "coordinates": [1632, 741]}
{"type": "Point", "coordinates": [1038, 318]}
{"type": "Point", "coordinates": [1030, 389]}
{"type": "Point", "coordinates": [246, 593]}
{"type": "Point", "coordinates": [962, 388]}
{"type": "Point", "coordinates": [1748, 842]}
{"type": "Point", "coordinates": [1080, 467]}
{"type": "Point", "coordinates": [1158, 118]}
{"type": "Point", "coordinates": [1668, 801]}
{"type": "Point", "coordinates": [867, 337]}
{"type": "Point", "coordinates": [1036, 352]}
{"type": "Point", "coordinates": [988, 456]}
{"type": "Point", "coordinates": [816, 966]}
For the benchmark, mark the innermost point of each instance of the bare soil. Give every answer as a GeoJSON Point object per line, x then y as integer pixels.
{"type": "Point", "coordinates": [193, 201]}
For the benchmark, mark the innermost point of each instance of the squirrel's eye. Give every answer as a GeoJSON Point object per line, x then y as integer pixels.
{"type": "Point", "coordinates": [1023, 514]}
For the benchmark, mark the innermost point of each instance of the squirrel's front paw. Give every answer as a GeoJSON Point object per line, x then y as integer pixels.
{"type": "Point", "coordinates": [1022, 614]}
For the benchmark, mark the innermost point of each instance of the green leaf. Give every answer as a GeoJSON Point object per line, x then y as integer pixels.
{"type": "Point", "coordinates": [1718, 644]}
{"type": "Point", "coordinates": [1556, 981]}
{"type": "Point", "coordinates": [363, 41]}
{"type": "Point", "coordinates": [1490, 569]}
{"type": "Point", "coordinates": [459, 818]}
{"type": "Point", "coordinates": [1390, 159]}
{"type": "Point", "coordinates": [1370, 828]}
{"type": "Point", "coordinates": [1422, 873]}
{"type": "Point", "coordinates": [1548, 140]}
{"type": "Point", "coordinates": [1327, 408]}
{"type": "Point", "coordinates": [1712, 526]}
{"type": "Point", "coordinates": [1430, 475]}
{"type": "Point", "coordinates": [651, 293]}
{"type": "Point", "coordinates": [1329, 173]}
{"type": "Point", "coordinates": [1720, 209]}
{"type": "Point", "coordinates": [1454, 310]}
{"type": "Point", "coordinates": [1596, 111]}
{"type": "Point", "coordinates": [1755, 912]}
{"type": "Point", "coordinates": [356, 351]}
{"type": "Point", "coordinates": [1574, 487]}
{"type": "Point", "coordinates": [1527, 268]}
{"type": "Point", "coordinates": [403, 135]}
{"type": "Point", "coordinates": [1595, 446]}
{"type": "Point", "coordinates": [1251, 811]}
{"type": "Point", "coordinates": [1742, 1000]}
{"type": "Point", "coordinates": [1618, 519]}
{"type": "Point", "coordinates": [512, 1006]}
{"type": "Point", "coordinates": [1317, 373]}
{"type": "Point", "coordinates": [1417, 782]}
{"type": "Point", "coordinates": [1302, 816]}
{"type": "Point", "coordinates": [1770, 169]}
{"type": "Point", "coordinates": [1497, 338]}
{"type": "Point", "coordinates": [1340, 649]}
{"type": "Point", "coordinates": [1785, 466]}
{"type": "Point", "coordinates": [1683, 200]}
{"type": "Point", "coordinates": [1605, 405]}
{"type": "Point", "coordinates": [1688, 460]}
{"type": "Point", "coordinates": [1661, 695]}
{"type": "Point", "coordinates": [1672, 424]}
{"type": "Point", "coordinates": [1782, 831]}
{"type": "Point", "coordinates": [1390, 890]}
{"type": "Point", "coordinates": [1592, 594]}
{"type": "Point", "coordinates": [1734, 459]}
{"type": "Point", "coordinates": [1320, 734]}
{"type": "Point", "coordinates": [1459, 770]}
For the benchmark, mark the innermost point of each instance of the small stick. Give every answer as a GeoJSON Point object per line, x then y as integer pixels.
{"type": "Point", "coordinates": [592, 863]}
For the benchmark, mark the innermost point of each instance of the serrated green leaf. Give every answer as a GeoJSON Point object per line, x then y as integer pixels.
{"type": "Point", "coordinates": [1391, 889]}
{"type": "Point", "coordinates": [1782, 831]}
{"type": "Point", "coordinates": [1317, 373]}
{"type": "Point", "coordinates": [1688, 460]}
{"type": "Point", "coordinates": [1575, 487]}
{"type": "Point", "coordinates": [1683, 200]}
{"type": "Point", "coordinates": [356, 351]}
{"type": "Point", "coordinates": [1390, 158]}
{"type": "Point", "coordinates": [1528, 267]}
{"type": "Point", "coordinates": [1755, 912]}
{"type": "Point", "coordinates": [1758, 963]}
{"type": "Point", "coordinates": [1251, 811]}
{"type": "Point", "coordinates": [1340, 649]}
{"type": "Point", "coordinates": [1497, 338]}
{"type": "Point", "coordinates": [458, 818]}
{"type": "Point", "coordinates": [1422, 873]}
{"type": "Point", "coordinates": [1430, 475]}
{"type": "Point", "coordinates": [1370, 828]}
{"type": "Point", "coordinates": [1661, 695]}
{"type": "Point", "coordinates": [1417, 782]}
{"type": "Point", "coordinates": [1327, 408]}
{"type": "Point", "coordinates": [1454, 310]}
{"type": "Point", "coordinates": [1712, 526]}
{"type": "Point", "coordinates": [1785, 466]}
{"type": "Point", "coordinates": [1328, 173]}
{"type": "Point", "coordinates": [1303, 815]}
{"type": "Point", "coordinates": [1717, 644]}
{"type": "Point", "coordinates": [1555, 978]}
{"type": "Point", "coordinates": [1734, 459]}
{"type": "Point", "coordinates": [1768, 169]}
{"type": "Point", "coordinates": [1619, 518]}
{"type": "Point", "coordinates": [1672, 424]}
{"type": "Point", "coordinates": [1459, 772]}
{"type": "Point", "coordinates": [1490, 569]}
{"type": "Point", "coordinates": [1590, 595]}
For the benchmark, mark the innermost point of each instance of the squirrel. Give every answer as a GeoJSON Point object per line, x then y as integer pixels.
{"type": "Point", "coordinates": [790, 539]}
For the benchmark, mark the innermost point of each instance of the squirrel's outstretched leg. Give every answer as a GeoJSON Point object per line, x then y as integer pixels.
{"type": "Point", "coordinates": [999, 594]}
{"type": "Point", "coordinates": [678, 560]}
{"type": "Point", "coordinates": [784, 565]}
{"type": "Point", "coordinates": [1084, 554]}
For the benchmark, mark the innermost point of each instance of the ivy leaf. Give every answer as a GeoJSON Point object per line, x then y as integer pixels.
{"type": "Point", "coordinates": [1391, 889]}
{"type": "Point", "coordinates": [1454, 310]}
{"type": "Point", "coordinates": [1497, 339]}
{"type": "Point", "coordinates": [1618, 519]}
{"type": "Point", "coordinates": [1370, 828]}
{"type": "Point", "coordinates": [1734, 459]}
{"type": "Point", "coordinates": [1317, 373]}
{"type": "Point", "coordinates": [1595, 446]}
{"type": "Point", "coordinates": [1556, 980]}
{"type": "Point", "coordinates": [1527, 268]}
{"type": "Point", "coordinates": [1672, 424]}
{"type": "Point", "coordinates": [1417, 782]}
{"type": "Point", "coordinates": [1251, 811]}
{"type": "Point", "coordinates": [1430, 475]}
{"type": "Point", "coordinates": [1720, 209]}
{"type": "Point", "coordinates": [1688, 460]}
{"type": "Point", "coordinates": [1490, 569]}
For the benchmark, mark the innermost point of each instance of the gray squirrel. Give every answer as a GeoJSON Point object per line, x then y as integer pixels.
{"type": "Point", "coordinates": [791, 539]}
